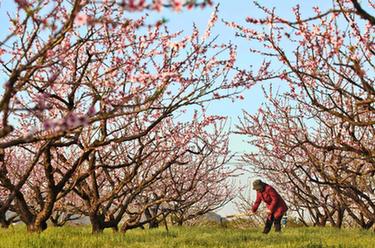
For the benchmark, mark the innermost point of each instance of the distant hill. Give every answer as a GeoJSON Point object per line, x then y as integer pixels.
{"type": "Point", "coordinates": [211, 216]}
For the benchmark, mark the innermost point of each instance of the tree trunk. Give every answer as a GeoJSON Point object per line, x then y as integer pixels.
{"type": "Point", "coordinates": [23, 211]}
{"type": "Point", "coordinates": [37, 227]}
{"type": "Point", "coordinates": [152, 221]}
{"type": "Point", "coordinates": [367, 225]}
{"type": "Point", "coordinates": [4, 223]}
{"type": "Point", "coordinates": [340, 217]}
{"type": "Point", "coordinates": [131, 224]}
{"type": "Point", "coordinates": [180, 222]}
{"type": "Point", "coordinates": [3, 220]}
{"type": "Point", "coordinates": [97, 223]}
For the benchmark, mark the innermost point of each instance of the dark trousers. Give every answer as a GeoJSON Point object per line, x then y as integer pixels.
{"type": "Point", "coordinates": [272, 220]}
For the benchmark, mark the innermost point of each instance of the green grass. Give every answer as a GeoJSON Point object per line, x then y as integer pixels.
{"type": "Point", "coordinates": [187, 237]}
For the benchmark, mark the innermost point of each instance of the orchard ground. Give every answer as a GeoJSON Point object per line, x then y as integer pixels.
{"type": "Point", "coordinates": [187, 236]}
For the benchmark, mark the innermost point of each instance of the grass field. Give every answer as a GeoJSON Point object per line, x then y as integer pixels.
{"type": "Point", "coordinates": [188, 237]}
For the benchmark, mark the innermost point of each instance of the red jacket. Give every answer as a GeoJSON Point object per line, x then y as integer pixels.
{"type": "Point", "coordinates": [273, 201]}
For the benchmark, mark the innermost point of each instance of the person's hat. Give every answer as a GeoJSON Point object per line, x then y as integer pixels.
{"type": "Point", "coordinates": [258, 184]}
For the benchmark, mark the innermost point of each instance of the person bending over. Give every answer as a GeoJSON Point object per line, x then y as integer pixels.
{"type": "Point", "coordinates": [276, 206]}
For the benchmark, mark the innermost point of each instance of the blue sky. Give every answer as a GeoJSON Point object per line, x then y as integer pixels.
{"type": "Point", "coordinates": [229, 10]}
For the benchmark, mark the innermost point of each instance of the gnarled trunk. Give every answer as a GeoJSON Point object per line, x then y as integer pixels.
{"type": "Point", "coordinates": [35, 222]}
{"type": "Point", "coordinates": [4, 222]}
{"type": "Point", "coordinates": [37, 227]}
{"type": "Point", "coordinates": [97, 223]}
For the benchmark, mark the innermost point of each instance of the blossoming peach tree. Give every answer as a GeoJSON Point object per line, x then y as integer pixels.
{"type": "Point", "coordinates": [80, 79]}
{"type": "Point", "coordinates": [318, 130]}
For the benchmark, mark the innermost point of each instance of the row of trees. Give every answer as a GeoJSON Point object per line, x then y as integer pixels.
{"type": "Point", "coordinates": [315, 138]}
{"type": "Point", "coordinates": [104, 116]}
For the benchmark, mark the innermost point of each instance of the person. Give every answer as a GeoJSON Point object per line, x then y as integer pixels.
{"type": "Point", "coordinates": [276, 206]}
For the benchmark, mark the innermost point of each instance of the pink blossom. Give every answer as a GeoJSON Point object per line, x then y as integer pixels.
{"type": "Point", "coordinates": [81, 19]}
{"type": "Point", "coordinates": [176, 5]}
{"type": "Point", "coordinates": [157, 5]}
{"type": "Point", "coordinates": [210, 24]}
